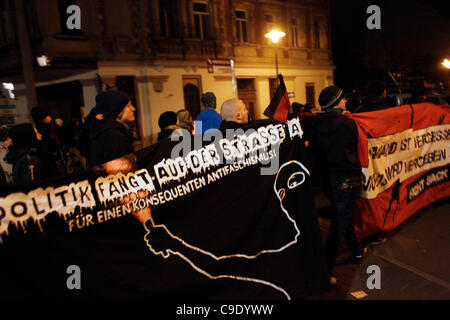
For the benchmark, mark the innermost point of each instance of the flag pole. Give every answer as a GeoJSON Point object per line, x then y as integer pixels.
{"type": "Point", "coordinates": [233, 78]}
{"type": "Point", "coordinates": [276, 60]}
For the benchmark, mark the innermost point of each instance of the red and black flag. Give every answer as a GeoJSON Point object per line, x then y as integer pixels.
{"type": "Point", "coordinates": [280, 105]}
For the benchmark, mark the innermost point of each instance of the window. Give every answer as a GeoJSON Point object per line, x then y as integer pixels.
{"type": "Point", "coordinates": [268, 19]}
{"type": "Point", "coordinates": [316, 35]}
{"type": "Point", "coordinates": [241, 26]}
{"type": "Point", "coordinates": [294, 33]}
{"type": "Point", "coordinates": [273, 85]}
{"type": "Point", "coordinates": [168, 18]}
{"type": "Point", "coordinates": [163, 22]}
{"type": "Point", "coordinates": [201, 20]}
{"type": "Point", "coordinates": [310, 93]}
{"type": "Point", "coordinates": [3, 24]}
{"type": "Point", "coordinates": [191, 89]}
{"type": "Point", "coordinates": [247, 93]}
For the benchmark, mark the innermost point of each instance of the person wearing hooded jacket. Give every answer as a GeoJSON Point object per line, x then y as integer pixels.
{"type": "Point", "coordinates": [109, 136]}
{"type": "Point", "coordinates": [335, 147]}
{"type": "Point", "coordinates": [23, 153]}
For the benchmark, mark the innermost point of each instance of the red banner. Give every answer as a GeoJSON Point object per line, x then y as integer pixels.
{"type": "Point", "coordinates": [404, 154]}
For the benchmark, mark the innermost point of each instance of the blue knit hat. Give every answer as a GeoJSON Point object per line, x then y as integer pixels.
{"type": "Point", "coordinates": [110, 103]}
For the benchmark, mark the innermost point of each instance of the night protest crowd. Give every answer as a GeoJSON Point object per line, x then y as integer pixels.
{"type": "Point", "coordinates": [49, 148]}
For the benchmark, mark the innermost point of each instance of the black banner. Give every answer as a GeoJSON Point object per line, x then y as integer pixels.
{"type": "Point", "coordinates": [430, 179]}
{"type": "Point", "coordinates": [229, 218]}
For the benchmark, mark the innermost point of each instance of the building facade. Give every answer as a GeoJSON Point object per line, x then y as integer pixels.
{"type": "Point", "coordinates": [157, 51]}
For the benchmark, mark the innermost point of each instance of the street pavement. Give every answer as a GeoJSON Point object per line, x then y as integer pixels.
{"type": "Point", "coordinates": [414, 261]}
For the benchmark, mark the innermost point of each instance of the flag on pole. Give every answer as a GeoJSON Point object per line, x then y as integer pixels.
{"type": "Point", "coordinates": [279, 106]}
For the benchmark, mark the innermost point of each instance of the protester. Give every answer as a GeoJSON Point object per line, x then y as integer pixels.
{"type": "Point", "coordinates": [108, 132]}
{"type": "Point", "coordinates": [335, 144]}
{"type": "Point", "coordinates": [297, 109]}
{"type": "Point", "coordinates": [5, 142]}
{"type": "Point", "coordinates": [207, 118]}
{"type": "Point", "coordinates": [23, 153]}
{"type": "Point", "coordinates": [234, 114]}
{"type": "Point", "coordinates": [167, 123]}
{"type": "Point", "coordinates": [51, 158]}
{"type": "Point", "coordinates": [419, 94]}
{"type": "Point", "coordinates": [185, 120]}
{"type": "Point", "coordinates": [353, 104]}
{"type": "Point", "coordinates": [76, 162]}
{"type": "Point", "coordinates": [376, 97]}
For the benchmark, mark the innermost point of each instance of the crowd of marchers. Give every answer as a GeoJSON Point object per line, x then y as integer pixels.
{"type": "Point", "coordinates": [48, 148]}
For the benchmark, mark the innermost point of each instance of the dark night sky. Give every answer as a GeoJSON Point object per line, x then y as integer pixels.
{"type": "Point", "coordinates": [414, 38]}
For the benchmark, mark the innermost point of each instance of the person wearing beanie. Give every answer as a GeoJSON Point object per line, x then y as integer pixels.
{"type": "Point", "coordinates": [167, 123]}
{"type": "Point", "coordinates": [297, 109]}
{"type": "Point", "coordinates": [335, 148]}
{"type": "Point", "coordinates": [23, 153]}
{"type": "Point", "coordinates": [40, 114]}
{"type": "Point", "coordinates": [108, 127]}
{"type": "Point", "coordinates": [376, 97]}
{"type": "Point", "coordinates": [208, 118]}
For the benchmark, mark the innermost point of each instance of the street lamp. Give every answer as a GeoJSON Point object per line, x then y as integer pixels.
{"type": "Point", "coordinates": [275, 35]}
{"type": "Point", "coordinates": [446, 63]}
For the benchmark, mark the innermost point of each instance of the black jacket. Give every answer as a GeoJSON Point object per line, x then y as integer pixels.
{"type": "Point", "coordinates": [166, 132]}
{"type": "Point", "coordinates": [335, 145]}
{"type": "Point", "coordinates": [26, 165]}
{"type": "Point", "coordinates": [108, 141]}
{"type": "Point", "coordinates": [23, 154]}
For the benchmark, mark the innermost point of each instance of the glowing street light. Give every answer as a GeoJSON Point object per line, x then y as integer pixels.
{"type": "Point", "coordinates": [446, 63]}
{"type": "Point", "coordinates": [275, 35]}
{"type": "Point", "coordinates": [43, 61]}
